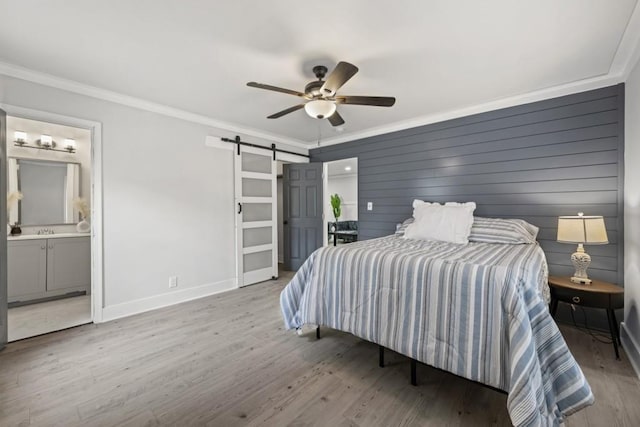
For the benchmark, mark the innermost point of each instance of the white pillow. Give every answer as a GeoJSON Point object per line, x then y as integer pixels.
{"type": "Point", "coordinates": [417, 203]}
{"type": "Point", "coordinates": [449, 223]}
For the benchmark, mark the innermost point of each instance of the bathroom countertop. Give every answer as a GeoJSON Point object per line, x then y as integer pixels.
{"type": "Point", "coordinates": [46, 236]}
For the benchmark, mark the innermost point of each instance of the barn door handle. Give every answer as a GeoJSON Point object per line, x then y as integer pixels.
{"type": "Point", "coordinates": [239, 208]}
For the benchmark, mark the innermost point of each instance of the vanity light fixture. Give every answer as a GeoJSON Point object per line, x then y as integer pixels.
{"type": "Point", "coordinates": [70, 145]}
{"type": "Point", "coordinates": [45, 142]}
{"type": "Point", "coordinates": [20, 137]}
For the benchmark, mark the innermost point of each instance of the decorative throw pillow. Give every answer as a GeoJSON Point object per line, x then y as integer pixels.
{"type": "Point", "coordinates": [401, 228]}
{"type": "Point", "coordinates": [448, 223]}
{"type": "Point", "coordinates": [508, 231]}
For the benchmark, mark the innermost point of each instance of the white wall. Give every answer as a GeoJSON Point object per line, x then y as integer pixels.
{"type": "Point", "coordinates": [168, 199]}
{"type": "Point", "coordinates": [631, 325]}
{"type": "Point", "coordinates": [346, 186]}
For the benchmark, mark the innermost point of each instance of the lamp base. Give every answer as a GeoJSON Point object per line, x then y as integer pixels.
{"type": "Point", "coordinates": [581, 280]}
{"type": "Point", "coordinates": [580, 260]}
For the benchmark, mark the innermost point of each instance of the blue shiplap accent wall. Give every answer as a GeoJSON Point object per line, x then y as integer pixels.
{"type": "Point", "coordinates": [534, 161]}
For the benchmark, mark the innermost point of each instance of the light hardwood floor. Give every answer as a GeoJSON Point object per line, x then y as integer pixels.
{"type": "Point", "coordinates": [36, 319]}
{"type": "Point", "coordinates": [225, 360]}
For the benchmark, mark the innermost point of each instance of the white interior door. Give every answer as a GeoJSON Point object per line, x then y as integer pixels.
{"type": "Point", "coordinates": [256, 218]}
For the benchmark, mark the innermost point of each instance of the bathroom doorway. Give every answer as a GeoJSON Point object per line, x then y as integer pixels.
{"type": "Point", "coordinates": [49, 244]}
{"type": "Point", "coordinates": [341, 199]}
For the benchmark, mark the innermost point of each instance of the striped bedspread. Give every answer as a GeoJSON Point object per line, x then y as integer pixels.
{"type": "Point", "coordinates": [476, 310]}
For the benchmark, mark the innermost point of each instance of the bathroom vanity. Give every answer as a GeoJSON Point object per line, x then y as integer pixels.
{"type": "Point", "coordinates": [44, 266]}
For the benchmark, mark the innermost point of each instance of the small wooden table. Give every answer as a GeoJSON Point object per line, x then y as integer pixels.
{"type": "Point", "coordinates": [598, 294]}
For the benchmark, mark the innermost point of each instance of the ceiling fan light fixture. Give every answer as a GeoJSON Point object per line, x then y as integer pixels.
{"type": "Point", "coordinates": [320, 108]}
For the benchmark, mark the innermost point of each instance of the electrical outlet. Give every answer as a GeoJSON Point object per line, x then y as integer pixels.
{"type": "Point", "coordinates": [369, 206]}
{"type": "Point", "coordinates": [173, 281]}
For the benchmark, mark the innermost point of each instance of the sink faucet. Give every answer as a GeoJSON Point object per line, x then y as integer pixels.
{"type": "Point", "coordinates": [45, 231]}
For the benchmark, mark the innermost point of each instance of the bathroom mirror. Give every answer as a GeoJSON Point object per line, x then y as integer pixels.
{"type": "Point", "coordinates": [48, 189]}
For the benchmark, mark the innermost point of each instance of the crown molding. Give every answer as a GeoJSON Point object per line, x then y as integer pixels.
{"type": "Point", "coordinates": [539, 95]}
{"type": "Point", "coordinates": [628, 52]}
{"type": "Point", "coordinates": [22, 73]}
{"type": "Point", "coordinates": [625, 58]}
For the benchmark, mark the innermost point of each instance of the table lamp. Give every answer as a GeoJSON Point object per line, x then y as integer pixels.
{"type": "Point", "coordinates": [583, 230]}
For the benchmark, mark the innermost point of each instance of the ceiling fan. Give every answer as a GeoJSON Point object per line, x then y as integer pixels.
{"type": "Point", "coordinates": [320, 95]}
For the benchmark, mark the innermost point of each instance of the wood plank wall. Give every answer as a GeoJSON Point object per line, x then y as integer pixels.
{"type": "Point", "coordinates": [535, 161]}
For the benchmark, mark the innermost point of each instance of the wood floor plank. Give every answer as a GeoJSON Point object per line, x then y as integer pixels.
{"type": "Point", "coordinates": [226, 360]}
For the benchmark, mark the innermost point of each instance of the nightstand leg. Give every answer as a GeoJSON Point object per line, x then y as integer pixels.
{"type": "Point", "coordinates": [616, 326]}
{"type": "Point", "coordinates": [612, 329]}
{"type": "Point", "coordinates": [553, 307]}
{"type": "Point", "coordinates": [414, 377]}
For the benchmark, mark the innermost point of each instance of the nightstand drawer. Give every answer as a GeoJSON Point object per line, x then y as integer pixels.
{"type": "Point", "coordinates": [585, 298]}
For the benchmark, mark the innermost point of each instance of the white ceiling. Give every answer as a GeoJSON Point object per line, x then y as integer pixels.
{"type": "Point", "coordinates": [433, 56]}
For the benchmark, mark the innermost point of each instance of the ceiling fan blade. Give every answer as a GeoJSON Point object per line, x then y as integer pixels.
{"type": "Point", "coordinates": [378, 101]}
{"type": "Point", "coordinates": [339, 76]}
{"type": "Point", "coordinates": [336, 119]}
{"type": "Point", "coordinates": [276, 89]}
{"type": "Point", "coordinates": [287, 111]}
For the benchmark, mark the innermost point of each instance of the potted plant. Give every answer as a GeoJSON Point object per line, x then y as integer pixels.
{"type": "Point", "coordinates": [337, 211]}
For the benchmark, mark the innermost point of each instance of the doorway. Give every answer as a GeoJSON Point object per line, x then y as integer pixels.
{"type": "Point", "coordinates": [49, 246]}
{"type": "Point", "coordinates": [341, 199]}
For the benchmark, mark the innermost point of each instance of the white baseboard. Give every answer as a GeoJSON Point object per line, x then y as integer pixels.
{"type": "Point", "coordinates": [130, 308]}
{"type": "Point", "coordinates": [631, 348]}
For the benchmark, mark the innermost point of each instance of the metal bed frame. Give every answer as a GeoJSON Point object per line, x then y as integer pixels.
{"type": "Point", "coordinates": [414, 366]}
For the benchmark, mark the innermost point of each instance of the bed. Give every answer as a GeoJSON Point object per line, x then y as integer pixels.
{"type": "Point", "coordinates": [477, 310]}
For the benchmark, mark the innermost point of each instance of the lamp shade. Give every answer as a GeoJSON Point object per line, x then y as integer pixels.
{"type": "Point", "coordinates": [582, 229]}
{"type": "Point", "coordinates": [320, 108]}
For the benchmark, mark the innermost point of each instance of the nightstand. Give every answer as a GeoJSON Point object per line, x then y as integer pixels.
{"type": "Point", "coordinates": [598, 294]}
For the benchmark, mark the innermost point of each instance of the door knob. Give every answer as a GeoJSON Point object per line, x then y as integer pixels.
{"type": "Point", "coordinates": [285, 222]}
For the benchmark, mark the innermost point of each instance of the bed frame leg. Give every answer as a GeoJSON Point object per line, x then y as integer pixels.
{"type": "Point", "coordinates": [318, 332]}
{"type": "Point", "coordinates": [414, 380]}
{"type": "Point", "coordinates": [381, 356]}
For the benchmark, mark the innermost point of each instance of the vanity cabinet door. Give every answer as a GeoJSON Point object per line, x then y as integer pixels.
{"type": "Point", "coordinates": [27, 269]}
{"type": "Point", "coordinates": [69, 264]}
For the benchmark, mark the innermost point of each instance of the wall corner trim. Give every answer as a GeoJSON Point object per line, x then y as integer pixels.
{"type": "Point", "coordinates": [117, 311]}
{"type": "Point", "coordinates": [631, 348]}
{"type": "Point", "coordinates": [11, 70]}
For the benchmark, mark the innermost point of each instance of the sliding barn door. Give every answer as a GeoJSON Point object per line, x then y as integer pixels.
{"type": "Point", "coordinates": [302, 211]}
{"type": "Point", "coordinates": [3, 230]}
{"type": "Point", "coordinates": [256, 215]}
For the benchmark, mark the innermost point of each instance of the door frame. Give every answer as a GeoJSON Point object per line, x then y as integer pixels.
{"type": "Point", "coordinates": [326, 197]}
{"type": "Point", "coordinates": [4, 285]}
{"type": "Point", "coordinates": [287, 158]}
{"type": "Point", "coordinates": [97, 245]}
